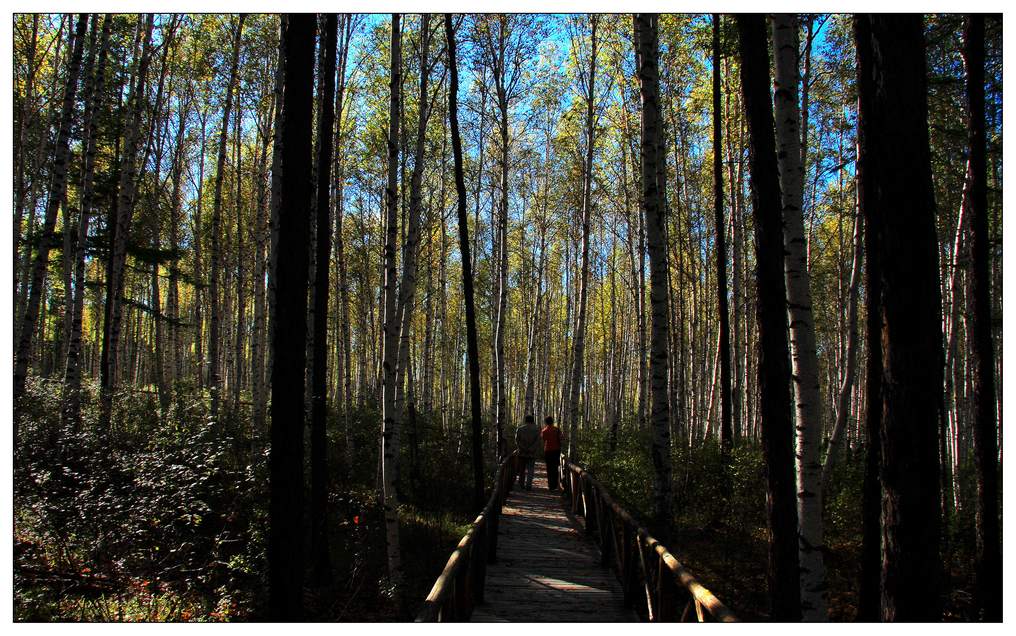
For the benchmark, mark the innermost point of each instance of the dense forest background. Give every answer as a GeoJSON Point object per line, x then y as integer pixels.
{"type": "Point", "coordinates": [149, 169]}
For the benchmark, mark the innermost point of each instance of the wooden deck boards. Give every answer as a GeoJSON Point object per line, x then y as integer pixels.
{"type": "Point", "coordinates": [547, 571]}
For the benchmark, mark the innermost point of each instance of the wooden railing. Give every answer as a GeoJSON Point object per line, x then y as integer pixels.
{"type": "Point", "coordinates": [655, 583]}
{"type": "Point", "coordinates": [461, 584]}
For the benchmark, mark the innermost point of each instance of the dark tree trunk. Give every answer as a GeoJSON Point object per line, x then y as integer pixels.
{"type": "Point", "coordinates": [467, 269]}
{"type": "Point", "coordinates": [988, 564]}
{"type": "Point", "coordinates": [726, 429]}
{"type": "Point", "coordinates": [318, 452]}
{"type": "Point", "coordinates": [901, 211]}
{"type": "Point", "coordinates": [390, 339]}
{"type": "Point", "coordinates": [289, 335]}
{"type": "Point", "coordinates": [773, 365]}
{"type": "Point", "coordinates": [869, 599]}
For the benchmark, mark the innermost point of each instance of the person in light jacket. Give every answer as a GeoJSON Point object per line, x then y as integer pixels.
{"type": "Point", "coordinates": [527, 440]}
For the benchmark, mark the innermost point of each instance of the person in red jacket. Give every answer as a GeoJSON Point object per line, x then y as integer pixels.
{"type": "Point", "coordinates": [551, 435]}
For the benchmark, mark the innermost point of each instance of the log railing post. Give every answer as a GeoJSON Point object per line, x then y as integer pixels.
{"type": "Point", "coordinates": [479, 564]}
{"type": "Point", "coordinates": [575, 486]}
{"type": "Point", "coordinates": [493, 528]}
{"type": "Point", "coordinates": [666, 594]}
{"type": "Point", "coordinates": [628, 576]}
{"type": "Point", "coordinates": [589, 506]}
{"type": "Point", "coordinates": [606, 518]}
{"type": "Point", "coordinates": [462, 591]}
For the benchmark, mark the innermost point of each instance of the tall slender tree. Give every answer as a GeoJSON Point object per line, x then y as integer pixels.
{"type": "Point", "coordinates": [894, 122]}
{"type": "Point", "coordinates": [57, 194]}
{"type": "Point", "coordinates": [389, 419]}
{"type": "Point", "coordinates": [654, 191]}
{"type": "Point", "coordinates": [869, 596]}
{"type": "Point", "coordinates": [408, 283]}
{"type": "Point", "coordinates": [988, 565]}
{"type": "Point", "coordinates": [472, 348]}
{"type": "Point", "coordinates": [587, 80]}
{"type": "Point", "coordinates": [773, 365]}
{"type": "Point", "coordinates": [95, 73]}
{"type": "Point", "coordinates": [322, 572]}
{"type": "Point", "coordinates": [807, 395]}
{"type": "Point", "coordinates": [726, 429]}
{"type": "Point", "coordinates": [119, 224]}
{"type": "Point", "coordinates": [215, 373]}
{"type": "Point", "coordinates": [289, 329]}
{"type": "Point", "coordinates": [846, 385]}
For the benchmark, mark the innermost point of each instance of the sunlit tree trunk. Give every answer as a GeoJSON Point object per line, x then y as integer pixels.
{"type": "Point", "coordinates": [588, 81]}
{"type": "Point", "coordinates": [500, 323]}
{"type": "Point", "coordinates": [345, 371]}
{"type": "Point", "coordinates": [534, 333]}
{"type": "Point", "coordinates": [275, 199]}
{"type": "Point", "coordinates": [215, 379]}
{"type": "Point", "coordinates": [654, 190]}
{"type": "Point", "coordinates": [807, 394]}
{"type": "Point", "coordinates": [176, 210]}
{"type": "Point", "coordinates": [846, 386]}
{"type": "Point", "coordinates": [119, 228]}
{"type": "Point", "coordinates": [93, 93]}
{"type": "Point", "coordinates": [196, 233]}
{"type": "Point", "coordinates": [408, 283]}
{"type": "Point", "coordinates": [240, 327]}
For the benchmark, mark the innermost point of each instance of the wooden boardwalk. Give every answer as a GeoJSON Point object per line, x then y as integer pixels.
{"type": "Point", "coordinates": [547, 571]}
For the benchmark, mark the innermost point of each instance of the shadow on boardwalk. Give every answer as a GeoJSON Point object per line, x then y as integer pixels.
{"type": "Point", "coordinates": [547, 571]}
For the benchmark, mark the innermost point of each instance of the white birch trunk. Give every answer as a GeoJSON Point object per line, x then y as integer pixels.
{"type": "Point", "coordinates": [802, 326]}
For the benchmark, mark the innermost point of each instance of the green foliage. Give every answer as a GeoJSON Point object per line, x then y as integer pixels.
{"type": "Point", "coordinates": [174, 510]}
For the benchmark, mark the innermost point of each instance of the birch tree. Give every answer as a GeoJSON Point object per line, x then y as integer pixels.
{"type": "Point", "coordinates": [654, 190]}
{"type": "Point", "coordinates": [95, 72]}
{"type": "Point", "coordinates": [807, 395]}
{"type": "Point", "coordinates": [587, 83]}
{"type": "Point", "coordinates": [57, 194]}
{"type": "Point", "coordinates": [215, 374]}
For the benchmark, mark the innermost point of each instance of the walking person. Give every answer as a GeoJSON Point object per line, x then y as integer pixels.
{"type": "Point", "coordinates": [527, 440]}
{"type": "Point", "coordinates": [551, 435]}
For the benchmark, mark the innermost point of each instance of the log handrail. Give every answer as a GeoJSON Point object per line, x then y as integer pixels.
{"type": "Point", "coordinates": [655, 583]}
{"type": "Point", "coordinates": [460, 586]}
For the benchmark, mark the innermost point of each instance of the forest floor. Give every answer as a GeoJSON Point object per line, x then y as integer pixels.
{"type": "Point", "coordinates": [169, 523]}
{"type": "Point", "coordinates": [731, 562]}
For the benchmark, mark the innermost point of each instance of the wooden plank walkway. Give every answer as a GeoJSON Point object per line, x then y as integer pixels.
{"type": "Point", "coordinates": [547, 570]}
